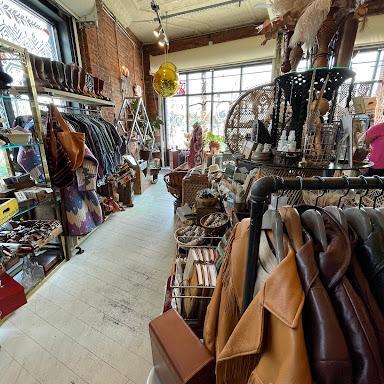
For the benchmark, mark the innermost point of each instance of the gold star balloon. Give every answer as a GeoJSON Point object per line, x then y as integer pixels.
{"type": "Point", "coordinates": [166, 80]}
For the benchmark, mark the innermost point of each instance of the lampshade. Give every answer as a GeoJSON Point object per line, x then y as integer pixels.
{"type": "Point", "coordinates": [166, 80]}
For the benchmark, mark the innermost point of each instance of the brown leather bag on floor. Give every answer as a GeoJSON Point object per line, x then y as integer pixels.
{"type": "Point", "coordinates": [178, 355]}
{"type": "Point", "coordinates": [72, 142]}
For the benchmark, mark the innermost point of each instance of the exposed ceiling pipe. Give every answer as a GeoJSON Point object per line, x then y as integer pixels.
{"type": "Point", "coordinates": [205, 8]}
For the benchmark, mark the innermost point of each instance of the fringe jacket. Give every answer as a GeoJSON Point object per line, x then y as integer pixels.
{"type": "Point", "coordinates": [266, 344]}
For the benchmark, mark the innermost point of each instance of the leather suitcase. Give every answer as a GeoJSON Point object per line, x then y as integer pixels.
{"type": "Point", "coordinates": [178, 355]}
{"type": "Point", "coordinates": [12, 295]}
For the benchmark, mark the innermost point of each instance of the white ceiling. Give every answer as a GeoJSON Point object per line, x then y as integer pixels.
{"type": "Point", "coordinates": [138, 16]}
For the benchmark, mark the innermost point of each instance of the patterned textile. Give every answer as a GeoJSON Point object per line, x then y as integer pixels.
{"type": "Point", "coordinates": [195, 157]}
{"type": "Point", "coordinates": [29, 157]}
{"type": "Point", "coordinates": [81, 203]}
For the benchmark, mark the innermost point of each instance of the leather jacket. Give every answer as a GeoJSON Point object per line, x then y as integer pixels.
{"type": "Point", "coordinates": [361, 285]}
{"type": "Point", "coordinates": [267, 342]}
{"type": "Point", "coordinates": [370, 254]}
{"type": "Point", "coordinates": [353, 316]}
{"type": "Point", "coordinates": [327, 349]}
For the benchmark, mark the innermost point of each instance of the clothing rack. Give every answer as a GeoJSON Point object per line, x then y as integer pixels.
{"type": "Point", "coordinates": [265, 186]}
{"type": "Point", "coordinates": [71, 108]}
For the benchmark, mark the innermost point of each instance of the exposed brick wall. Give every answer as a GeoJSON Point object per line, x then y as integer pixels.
{"type": "Point", "coordinates": [104, 50]}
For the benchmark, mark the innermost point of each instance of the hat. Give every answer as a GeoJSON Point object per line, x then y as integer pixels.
{"type": "Point", "coordinates": [214, 168]}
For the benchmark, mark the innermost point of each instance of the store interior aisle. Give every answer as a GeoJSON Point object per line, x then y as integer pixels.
{"type": "Point", "coordinates": [89, 322]}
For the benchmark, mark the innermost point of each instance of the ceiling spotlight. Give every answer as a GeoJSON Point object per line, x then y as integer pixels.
{"type": "Point", "coordinates": [163, 41]}
{"type": "Point", "coordinates": [158, 31]}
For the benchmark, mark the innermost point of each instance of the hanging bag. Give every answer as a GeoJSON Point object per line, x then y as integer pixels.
{"type": "Point", "coordinates": [60, 167]}
{"type": "Point", "coordinates": [72, 142]}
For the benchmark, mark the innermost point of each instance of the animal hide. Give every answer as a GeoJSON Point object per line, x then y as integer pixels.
{"type": "Point", "coordinates": [310, 22]}
{"type": "Point", "coordinates": [294, 7]}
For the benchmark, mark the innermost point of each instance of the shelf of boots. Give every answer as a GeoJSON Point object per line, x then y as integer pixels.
{"type": "Point", "coordinates": [63, 95]}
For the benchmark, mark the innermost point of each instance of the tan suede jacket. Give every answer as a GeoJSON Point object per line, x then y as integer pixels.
{"type": "Point", "coordinates": [266, 345]}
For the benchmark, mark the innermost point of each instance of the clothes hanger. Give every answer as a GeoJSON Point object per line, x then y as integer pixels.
{"type": "Point", "coordinates": [313, 221]}
{"type": "Point", "coordinates": [272, 221]}
{"type": "Point", "coordinates": [336, 212]}
{"type": "Point", "coordinates": [377, 218]}
{"type": "Point", "coordinates": [358, 219]}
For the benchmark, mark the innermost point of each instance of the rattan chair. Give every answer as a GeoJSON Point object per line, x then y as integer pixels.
{"type": "Point", "coordinates": [174, 182]}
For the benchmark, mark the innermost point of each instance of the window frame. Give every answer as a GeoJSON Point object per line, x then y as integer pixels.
{"type": "Point", "coordinates": [211, 94]}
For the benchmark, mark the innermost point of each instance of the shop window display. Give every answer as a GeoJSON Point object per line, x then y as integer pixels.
{"type": "Point", "coordinates": [206, 97]}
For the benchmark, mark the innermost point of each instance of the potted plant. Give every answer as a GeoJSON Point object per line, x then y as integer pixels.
{"type": "Point", "coordinates": [214, 142]}
{"type": "Point", "coordinates": [156, 124]}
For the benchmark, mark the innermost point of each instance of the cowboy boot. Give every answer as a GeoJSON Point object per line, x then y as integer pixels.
{"type": "Point", "coordinates": [58, 72]}
{"type": "Point", "coordinates": [48, 71]}
{"type": "Point", "coordinates": [82, 81]}
{"type": "Point", "coordinates": [76, 78]}
{"type": "Point", "coordinates": [89, 85]}
{"type": "Point", "coordinates": [68, 77]}
{"type": "Point", "coordinates": [39, 67]}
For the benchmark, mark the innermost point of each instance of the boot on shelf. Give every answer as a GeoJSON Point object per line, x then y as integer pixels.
{"type": "Point", "coordinates": [48, 71]}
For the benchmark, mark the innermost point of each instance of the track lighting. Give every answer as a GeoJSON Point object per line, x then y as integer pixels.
{"type": "Point", "coordinates": [163, 41]}
{"type": "Point", "coordinates": [158, 31]}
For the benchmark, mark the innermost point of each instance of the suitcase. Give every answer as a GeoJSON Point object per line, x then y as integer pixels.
{"type": "Point", "coordinates": [178, 355]}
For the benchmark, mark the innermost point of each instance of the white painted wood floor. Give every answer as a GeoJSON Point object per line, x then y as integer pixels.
{"type": "Point", "coordinates": [89, 322]}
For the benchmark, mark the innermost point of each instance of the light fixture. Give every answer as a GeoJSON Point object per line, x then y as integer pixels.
{"type": "Point", "coordinates": [158, 31]}
{"type": "Point", "coordinates": [163, 42]}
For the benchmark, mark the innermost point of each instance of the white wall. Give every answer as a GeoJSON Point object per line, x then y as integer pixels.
{"type": "Point", "coordinates": [250, 49]}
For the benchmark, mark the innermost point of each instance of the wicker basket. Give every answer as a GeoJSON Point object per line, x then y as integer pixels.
{"type": "Point", "coordinates": [191, 185]}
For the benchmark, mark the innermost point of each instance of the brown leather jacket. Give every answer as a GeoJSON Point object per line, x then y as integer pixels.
{"type": "Point", "coordinates": [361, 285]}
{"type": "Point", "coordinates": [352, 314]}
{"type": "Point", "coordinates": [327, 348]}
{"type": "Point", "coordinates": [265, 345]}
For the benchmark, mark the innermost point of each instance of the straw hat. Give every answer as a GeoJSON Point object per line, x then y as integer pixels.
{"type": "Point", "coordinates": [214, 168]}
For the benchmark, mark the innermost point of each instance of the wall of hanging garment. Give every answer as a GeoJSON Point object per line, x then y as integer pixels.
{"type": "Point", "coordinates": [314, 315]}
{"type": "Point", "coordinates": [102, 156]}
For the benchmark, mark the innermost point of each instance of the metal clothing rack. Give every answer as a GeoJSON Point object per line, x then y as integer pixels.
{"type": "Point", "coordinates": [265, 186]}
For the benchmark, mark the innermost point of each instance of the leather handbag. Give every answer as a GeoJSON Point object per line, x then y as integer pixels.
{"type": "Point", "coordinates": [72, 142]}
{"type": "Point", "coordinates": [178, 355]}
{"type": "Point", "coordinates": [60, 167]}
{"type": "Point", "coordinates": [12, 295]}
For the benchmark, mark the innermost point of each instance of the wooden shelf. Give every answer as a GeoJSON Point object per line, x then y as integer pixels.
{"type": "Point", "coordinates": [63, 95]}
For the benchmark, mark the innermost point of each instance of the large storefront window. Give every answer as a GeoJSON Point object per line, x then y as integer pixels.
{"type": "Point", "coordinates": [206, 97]}
{"type": "Point", "coordinates": [22, 26]}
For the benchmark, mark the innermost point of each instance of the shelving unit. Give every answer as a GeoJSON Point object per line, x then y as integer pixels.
{"type": "Point", "coordinates": [63, 95]}
{"type": "Point", "coordinates": [56, 247]}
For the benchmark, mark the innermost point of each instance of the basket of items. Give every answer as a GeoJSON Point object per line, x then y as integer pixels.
{"type": "Point", "coordinates": [206, 198]}
{"type": "Point", "coordinates": [189, 236]}
{"type": "Point", "coordinates": [215, 224]}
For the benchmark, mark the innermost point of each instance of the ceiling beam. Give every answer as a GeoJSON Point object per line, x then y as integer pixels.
{"type": "Point", "coordinates": [223, 36]}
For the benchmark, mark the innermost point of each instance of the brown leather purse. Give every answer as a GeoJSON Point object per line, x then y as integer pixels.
{"type": "Point", "coordinates": [178, 355]}
{"type": "Point", "coordinates": [72, 142]}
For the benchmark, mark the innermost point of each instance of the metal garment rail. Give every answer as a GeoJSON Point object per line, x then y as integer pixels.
{"type": "Point", "coordinates": [265, 186]}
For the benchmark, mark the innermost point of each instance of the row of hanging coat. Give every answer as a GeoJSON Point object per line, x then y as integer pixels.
{"type": "Point", "coordinates": [101, 157]}
{"type": "Point", "coordinates": [318, 299]}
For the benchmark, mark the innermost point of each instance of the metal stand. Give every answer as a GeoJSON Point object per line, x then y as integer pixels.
{"type": "Point", "coordinates": [259, 195]}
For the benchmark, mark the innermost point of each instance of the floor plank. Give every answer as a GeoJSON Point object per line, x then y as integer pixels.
{"type": "Point", "coordinates": [88, 323]}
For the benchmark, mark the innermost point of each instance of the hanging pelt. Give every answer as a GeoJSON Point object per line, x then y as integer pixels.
{"type": "Point", "coordinates": [294, 7]}
{"type": "Point", "coordinates": [310, 22]}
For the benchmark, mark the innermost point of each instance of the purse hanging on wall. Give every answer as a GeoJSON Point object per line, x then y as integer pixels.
{"type": "Point", "coordinates": [73, 142]}
{"type": "Point", "coordinates": [59, 164]}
